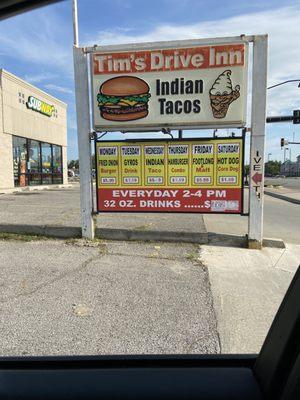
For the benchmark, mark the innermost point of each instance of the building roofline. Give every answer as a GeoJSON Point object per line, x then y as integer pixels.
{"type": "Point", "coordinates": [14, 77]}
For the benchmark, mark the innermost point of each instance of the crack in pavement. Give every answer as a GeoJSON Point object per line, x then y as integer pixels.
{"type": "Point", "coordinates": [82, 266]}
{"type": "Point", "coordinates": [154, 256]}
{"type": "Point", "coordinates": [212, 305]}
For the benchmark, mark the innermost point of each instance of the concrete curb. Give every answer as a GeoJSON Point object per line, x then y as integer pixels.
{"type": "Point", "coordinates": [43, 230]}
{"type": "Point", "coordinates": [226, 240]}
{"type": "Point", "coordinates": [158, 236]}
{"type": "Point", "coordinates": [282, 197]}
{"type": "Point", "coordinates": [274, 243]}
{"type": "Point", "coordinates": [35, 188]}
{"type": "Point", "coordinates": [222, 239]}
{"type": "Point", "coordinates": [211, 238]}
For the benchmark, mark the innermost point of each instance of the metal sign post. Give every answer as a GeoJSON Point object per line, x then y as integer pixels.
{"type": "Point", "coordinates": [257, 146]}
{"type": "Point", "coordinates": [84, 146]}
{"type": "Point", "coordinates": [83, 130]}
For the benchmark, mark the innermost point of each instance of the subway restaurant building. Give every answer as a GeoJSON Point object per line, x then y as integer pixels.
{"type": "Point", "coordinates": [33, 135]}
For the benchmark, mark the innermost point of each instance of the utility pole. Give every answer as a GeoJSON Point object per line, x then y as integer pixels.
{"type": "Point", "coordinates": [83, 131]}
{"type": "Point", "coordinates": [75, 24]}
{"type": "Point", "coordinates": [284, 150]}
{"type": "Point", "coordinates": [285, 158]}
{"type": "Point", "coordinates": [291, 147]}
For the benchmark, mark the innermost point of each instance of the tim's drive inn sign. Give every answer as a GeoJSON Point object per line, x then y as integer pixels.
{"type": "Point", "coordinates": [177, 86]}
{"type": "Point", "coordinates": [170, 87]}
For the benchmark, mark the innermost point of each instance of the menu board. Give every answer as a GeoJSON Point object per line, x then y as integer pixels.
{"type": "Point", "coordinates": [170, 176]}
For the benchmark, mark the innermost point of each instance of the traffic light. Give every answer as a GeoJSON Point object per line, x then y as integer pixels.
{"type": "Point", "coordinates": [282, 142]}
{"type": "Point", "coordinates": [296, 117]}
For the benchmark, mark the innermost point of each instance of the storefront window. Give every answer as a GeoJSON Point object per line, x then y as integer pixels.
{"type": "Point", "coordinates": [57, 164]}
{"type": "Point", "coordinates": [36, 163]}
{"type": "Point", "coordinates": [47, 163]}
{"type": "Point", "coordinates": [20, 160]}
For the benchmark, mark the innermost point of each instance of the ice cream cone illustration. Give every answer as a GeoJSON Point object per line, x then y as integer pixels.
{"type": "Point", "coordinates": [222, 94]}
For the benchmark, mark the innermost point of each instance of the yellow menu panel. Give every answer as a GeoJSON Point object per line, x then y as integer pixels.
{"type": "Point", "coordinates": [154, 164]}
{"type": "Point", "coordinates": [131, 165]}
{"type": "Point", "coordinates": [108, 164]}
{"type": "Point", "coordinates": [228, 163]}
{"type": "Point", "coordinates": [202, 164]}
{"type": "Point", "coordinates": [178, 164]}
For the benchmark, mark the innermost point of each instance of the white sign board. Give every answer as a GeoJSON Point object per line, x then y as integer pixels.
{"type": "Point", "coordinates": [173, 86]}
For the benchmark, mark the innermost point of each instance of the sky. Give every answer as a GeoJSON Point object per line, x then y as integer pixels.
{"type": "Point", "coordinates": [37, 46]}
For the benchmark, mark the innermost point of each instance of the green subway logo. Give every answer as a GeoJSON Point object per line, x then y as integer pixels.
{"type": "Point", "coordinates": [40, 106]}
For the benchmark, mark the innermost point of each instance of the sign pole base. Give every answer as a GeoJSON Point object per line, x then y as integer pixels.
{"type": "Point", "coordinates": [254, 244]}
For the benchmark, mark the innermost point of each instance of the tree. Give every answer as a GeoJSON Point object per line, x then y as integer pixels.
{"type": "Point", "coordinates": [246, 170]}
{"type": "Point", "coordinates": [272, 168]}
{"type": "Point", "coordinates": [73, 164]}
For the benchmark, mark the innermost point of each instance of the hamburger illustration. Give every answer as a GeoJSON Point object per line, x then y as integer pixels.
{"type": "Point", "coordinates": [123, 98]}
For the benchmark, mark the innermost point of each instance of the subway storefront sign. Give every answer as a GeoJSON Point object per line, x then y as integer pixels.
{"type": "Point", "coordinates": [201, 176]}
{"type": "Point", "coordinates": [40, 106]}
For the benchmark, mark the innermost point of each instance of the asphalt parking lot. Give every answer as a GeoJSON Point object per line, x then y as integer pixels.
{"type": "Point", "coordinates": [56, 212]}
{"type": "Point", "coordinates": [74, 297]}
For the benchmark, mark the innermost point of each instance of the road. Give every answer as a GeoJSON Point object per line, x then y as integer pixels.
{"type": "Point", "coordinates": [291, 183]}
{"type": "Point", "coordinates": [281, 221]}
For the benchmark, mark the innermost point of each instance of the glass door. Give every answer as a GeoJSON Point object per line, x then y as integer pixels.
{"type": "Point", "coordinates": [34, 162]}
{"type": "Point", "coordinates": [47, 163]}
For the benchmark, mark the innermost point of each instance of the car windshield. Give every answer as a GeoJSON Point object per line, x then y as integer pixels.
{"type": "Point", "coordinates": [149, 176]}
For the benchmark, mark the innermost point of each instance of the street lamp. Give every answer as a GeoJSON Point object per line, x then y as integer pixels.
{"type": "Point", "coordinates": [283, 83]}
{"type": "Point", "coordinates": [269, 154]}
{"type": "Point", "coordinates": [283, 118]}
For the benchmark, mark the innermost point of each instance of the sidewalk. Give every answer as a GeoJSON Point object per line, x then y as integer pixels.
{"type": "Point", "coordinates": [287, 194]}
{"type": "Point", "coordinates": [247, 287]}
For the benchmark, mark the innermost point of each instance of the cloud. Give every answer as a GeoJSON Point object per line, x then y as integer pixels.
{"type": "Point", "coordinates": [42, 41]}
{"type": "Point", "coordinates": [37, 78]}
{"type": "Point", "coordinates": [57, 88]}
{"type": "Point", "coordinates": [282, 25]}
{"type": "Point", "coordinates": [40, 38]}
